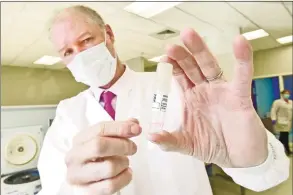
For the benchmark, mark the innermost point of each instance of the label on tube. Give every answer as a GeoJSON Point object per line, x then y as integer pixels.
{"type": "Point", "coordinates": [160, 97]}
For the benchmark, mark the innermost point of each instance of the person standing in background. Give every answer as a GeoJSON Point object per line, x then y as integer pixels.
{"type": "Point", "coordinates": [281, 114]}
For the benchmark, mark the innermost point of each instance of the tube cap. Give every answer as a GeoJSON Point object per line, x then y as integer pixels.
{"type": "Point", "coordinates": [164, 76]}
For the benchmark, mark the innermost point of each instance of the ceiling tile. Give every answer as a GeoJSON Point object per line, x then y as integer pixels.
{"type": "Point", "coordinates": [17, 42]}
{"type": "Point", "coordinates": [181, 20]}
{"type": "Point", "coordinates": [8, 11]}
{"type": "Point", "coordinates": [129, 48]}
{"type": "Point", "coordinates": [103, 8]}
{"type": "Point", "coordinates": [118, 4]}
{"type": "Point", "coordinates": [271, 16]}
{"type": "Point", "coordinates": [27, 27]}
{"type": "Point", "coordinates": [40, 13]}
{"type": "Point", "coordinates": [225, 14]}
{"type": "Point", "coordinates": [27, 36]}
{"type": "Point", "coordinates": [38, 49]}
{"type": "Point", "coordinates": [35, 51]}
{"type": "Point", "coordinates": [133, 23]}
{"type": "Point", "coordinates": [289, 6]}
{"type": "Point", "coordinates": [276, 33]}
{"type": "Point", "coordinates": [9, 51]}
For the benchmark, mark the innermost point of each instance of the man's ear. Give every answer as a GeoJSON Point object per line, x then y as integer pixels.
{"type": "Point", "coordinates": [110, 33]}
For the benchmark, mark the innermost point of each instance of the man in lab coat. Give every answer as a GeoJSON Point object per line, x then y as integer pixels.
{"type": "Point", "coordinates": [208, 120]}
{"type": "Point", "coordinates": [281, 115]}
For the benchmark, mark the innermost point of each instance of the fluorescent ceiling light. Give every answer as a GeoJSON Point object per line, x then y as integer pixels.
{"type": "Point", "coordinates": [149, 9]}
{"type": "Point", "coordinates": [48, 60]}
{"type": "Point", "coordinates": [255, 34]}
{"type": "Point", "coordinates": [284, 40]}
{"type": "Point", "coordinates": [157, 59]}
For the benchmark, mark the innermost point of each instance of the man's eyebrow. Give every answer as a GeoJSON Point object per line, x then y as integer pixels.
{"type": "Point", "coordinates": [83, 34]}
{"type": "Point", "coordinates": [78, 37]}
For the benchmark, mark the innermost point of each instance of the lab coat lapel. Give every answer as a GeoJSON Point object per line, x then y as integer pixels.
{"type": "Point", "coordinates": [123, 105]}
{"type": "Point", "coordinates": [94, 112]}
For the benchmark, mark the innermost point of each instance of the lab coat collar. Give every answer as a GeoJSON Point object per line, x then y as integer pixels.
{"type": "Point", "coordinates": [287, 101]}
{"type": "Point", "coordinates": [122, 84]}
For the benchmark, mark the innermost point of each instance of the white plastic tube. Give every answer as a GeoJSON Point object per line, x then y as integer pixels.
{"type": "Point", "coordinates": [160, 98]}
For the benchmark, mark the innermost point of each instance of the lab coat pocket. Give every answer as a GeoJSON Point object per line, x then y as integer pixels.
{"type": "Point", "coordinates": [283, 121]}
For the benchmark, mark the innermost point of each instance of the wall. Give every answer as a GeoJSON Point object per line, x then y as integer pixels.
{"type": "Point", "coordinates": [288, 84]}
{"type": "Point", "coordinates": [136, 64]}
{"type": "Point", "coordinates": [28, 86]}
{"type": "Point", "coordinates": [23, 116]}
{"type": "Point", "coordinates": [141, 64]}
{"type": "Point", "coordinates": [267, 63]}
{"type": "Point", "coordinates": [267, 90]}
{"type": "Point", "coordinates": [225, 60]}
{"type": "Point", "coordinates": [227, 63]}
{"type": "Point", "coordinates": [150, 66]}
{"type": "Point", "coordinates": [273, 62]}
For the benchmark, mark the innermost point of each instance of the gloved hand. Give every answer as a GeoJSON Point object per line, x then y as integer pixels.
{"type": "Point", "coordinates": [98, 159]}
{"type": "Point", "coordinates": [274, 122]}
{"type": "Point", "coordinates": [220, 124]}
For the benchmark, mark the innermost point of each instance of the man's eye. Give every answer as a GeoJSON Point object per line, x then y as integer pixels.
{"type": "Point", "coordinates": [87, 40]}
{"type": "Point", "coordinates": [67, 53]}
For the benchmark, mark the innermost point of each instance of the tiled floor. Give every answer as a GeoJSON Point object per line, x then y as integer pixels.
{"type": "Point", "coordinates": [224, 187]}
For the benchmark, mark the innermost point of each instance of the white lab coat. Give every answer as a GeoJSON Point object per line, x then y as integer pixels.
{"type": "Point", "coordinates": [281, 112]}
{"type": "Point", "coordinates": [155, 172]}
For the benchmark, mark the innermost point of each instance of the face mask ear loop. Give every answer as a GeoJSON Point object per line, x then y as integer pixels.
{"type": "Point", "coordinates": [105, 37]}
{"type": "Point", "coordinates": [105, 42]}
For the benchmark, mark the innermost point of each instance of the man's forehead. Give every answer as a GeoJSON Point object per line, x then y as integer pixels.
{"type": "Point", "coordinates": [68, 27]}
{"type": "Point", "coordinates": [73, 25]}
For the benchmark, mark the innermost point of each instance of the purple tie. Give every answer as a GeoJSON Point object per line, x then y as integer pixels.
{"type": "Point", "coordinates": [107, 97]}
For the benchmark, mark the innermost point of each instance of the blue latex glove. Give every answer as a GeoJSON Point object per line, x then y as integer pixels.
{"type": "Point", "coordinates": [274, 122]}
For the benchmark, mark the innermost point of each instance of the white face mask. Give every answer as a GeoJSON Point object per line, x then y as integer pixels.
{"type": "Point", "coordinates": [94, 66]}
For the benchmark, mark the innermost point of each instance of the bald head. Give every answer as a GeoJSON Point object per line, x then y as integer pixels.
{"type": "Point", "coordinates": [90, 14]}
